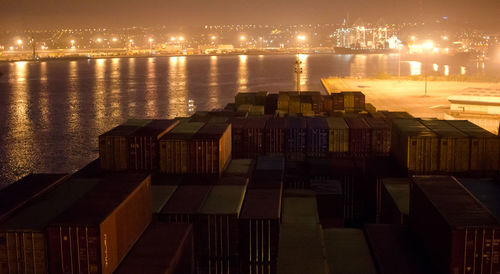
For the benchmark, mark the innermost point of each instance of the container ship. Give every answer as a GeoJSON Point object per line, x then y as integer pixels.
{"type": "Point", "coordinates": [344, 50]}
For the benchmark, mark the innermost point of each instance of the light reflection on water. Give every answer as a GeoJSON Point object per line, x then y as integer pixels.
{"type": "Point", "coordinates": [52, 112]}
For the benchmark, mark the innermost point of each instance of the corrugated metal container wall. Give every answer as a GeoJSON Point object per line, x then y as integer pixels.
{"type": "Point", "coordinates": [359, 136]}
{"type": "Point", "coordinates": [283, 99]}
{"type": "Point", "coordinates": [301, 249]}
{"type": "Point", "coordinates": [23, 242]}
{"type": "Point", "coordinates": [211, 149]}
{"type": "Point", "coordinates": [253, 136]}
{"type": "Point", "coordinates": [144, 146]}
{"type": "Point", "coordinates": [275, 136]}
{"type": "Point", "coordinates": [244, 108]}
{"type": "Point", "coordinates": [457, 241]}
{"type": "Point", "coordinates": [454, 146]}
{"type": "Point", "coordinates": [330, 202]}
{"type": "Point", "coordinates": [316, 100]}
{"type": "Point", "coordinates": [414, 146]}
{"type": "Point", "coordinates": [175, 148]}
{"type": "Point", "coordinates": [271, 104]}
{"type": "Point", "coordinates": [16, 195]}
{"type": "Point", "coordinates": [317, 137]}
{"type": "Point", "coordinates": [394, 251]}
{"type": "Point", "coordinates": [256, 111]}
{"type": "Point", "coordinates": [244, 98]}
{"type": "Point", "coordinates": [294, 104]}
{"type": "Point", "coordinates": [338, 135]}
{"type": "Point", "coordinates": [338, 101]}
{"type": "Point", "coordinates": [296, 132]}
{"type": "Point", "coordinates": [239, 149]}
{"type": "Point", "coordinates": [185, 204]}
{"type": "Point", "coordinates": [484, 146]}
{"type": "Point", "coordinates": [347, 251]}
{"type": "Point", "coordinates": [327, 104]}
{"type": "Point", "coordinates": [354, 101]}
{"type": "Point", "coordinates": [393, 200]}
{"type": "Point", "coordinates": [305, 103]}
{"type": "Point", "coordinates": [89, 237]}
{"type": "Point", "coordinates": [381, 136]}
{"type": "Point", "coordinates": [259, 226]}
{"type": "Point", "coordinates": [163, 248]}
{"type": "Point", "coordinates": [114, 148]}
{"type": "Point", "coordinates": [217, 251]}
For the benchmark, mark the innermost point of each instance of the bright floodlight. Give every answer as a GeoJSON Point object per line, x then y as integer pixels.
{"type": "Point", "coordinates": [428, 45]}
{"type": "Point", "coordinates": [413, 38]}
{"type": "Point", "coordinates": [301, 37]}
{"type": "Point", "coordinates": [150, 40]}
{"type": "Point", "coordinates": [172, 38]}
{"type": "Point", "coordinates": [99, 40]}
{"type": "Point", "coordinates": [243, 38]}
{"type": "Point", "coordinates": [445, 37]}
{"type": "Point", "coordinates": [213, 37]}
{"type": "Point", "coordinates": [181, 38]}
{"type": "Point", "coordinates": [114, 39]}
{"type": "Point", "coordinates": [72, 42]}
{"type": "Point", "coordinates": [19, 42]}
{"type": "Point", "coordinates": [11, 48]}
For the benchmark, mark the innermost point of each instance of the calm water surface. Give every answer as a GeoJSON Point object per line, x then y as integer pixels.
{"type": "Point", "coordinates": [52, 112]}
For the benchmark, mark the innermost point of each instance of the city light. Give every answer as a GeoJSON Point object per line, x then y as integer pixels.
{"type": "Point", "coordinates": [242, 38]}
{"type": "Point", "coordinates": [72, 42]}
{"type": "Point", "coordinates": [181, 38]}
{"type": "Point", "coordinates": [172, 38]}
{"type": "Point", "coordinates": [99, 40]}
{"type": "Point", "coordinates": [150, 40]}
{"type": "Point", "coordinates": [11, 48]}
{"type": "Point", "coordinates": [19, 42]}
{"type": "Point", "coordinates": [114, 39]}
{"type": "Point", "coordinates": [301, 37]}
{"type": "Point", "coordinates": [428, 45]}
{"type": "Point", "coordinates": [213, 37]}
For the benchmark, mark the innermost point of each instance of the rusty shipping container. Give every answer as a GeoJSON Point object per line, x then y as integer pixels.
{"type": "Point", "coordinates": [274, 135]}
{"type": "Point", "coordinates": [23, 241]}
{"type": "Point", "coordinates": [144, 146]}
{"type": "Point", "coordinates": [317, 137]}
{"type": "Point", "coordinates": [414, 146]}
{"type": "Point", "coordinates": [217, 231]}
{"type": "Point", "coordinates": [338, 135]}
{"type": "Point", "coordinates": [210, 149]}
{"type": "Point", "coordinates": [394, 250]}
{"type": "Point", "coordinates": [456, 230]}
{"type": "Point", "coordinates": [484, 146]}
{"type": "Point", "coordinates": [253, 136]}
{"type": "Point", "coordinates": [18, 194]}
{"type": "Point", "coordinates": [259, 226]}
{"type": "Point", "coordinates": [380, 136]}
{"type": "Point", "coordinates": [359, 136]}
{"type": "Point", "coordinates": [347, 251]}
{"type": "Point", "coordinates": [114, 148]}
{"type": "Point", "coordinates": [162, 249]}
{"type": "Point", "coordinates": [296, 137]}
{"type": "Point", "coordinates": [185, 204]}
{"type": "Point", "coordinates": [89, 237]}
{"type": "Point", "coordinates": [330, 202]}
{"type": "Point", "coordinates": [354, 101]}
{"type": "Point", "coordinates": [393, 200]}
{"type": "Point", "coordinates": [454, 146]}
{"type": "Point", "coordinates": [337, 101]}
{"type": "Point", "coordinates": [175, 148]}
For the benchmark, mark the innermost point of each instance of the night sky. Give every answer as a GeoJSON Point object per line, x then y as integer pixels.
{"type": "Point", "coordinates": [80, 13]}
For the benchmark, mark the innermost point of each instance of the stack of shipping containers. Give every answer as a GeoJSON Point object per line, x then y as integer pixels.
{"type": "Point", "coordinates": [380, 136]}
{"type": "Point", "coordinates": [296, 138]}
{"type": "Point", "coordinates": [456, 230]}
{"type": "Point", "coordinates": [317, 137]}
{"type": "Point", "coordinates": [338, 136]}
{"type": "Point", "coordinates": [253, 137]}
{"type": "Point", "coordinates": [354, 101]}
{"type": "Point", "coordinates": [359, 137]}
{"type": "Point", "coordinates": [210, 149]}
{"type": "Point", "coordinates": [275, 136]}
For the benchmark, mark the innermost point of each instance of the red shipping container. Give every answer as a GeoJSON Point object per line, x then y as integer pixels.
{"type": "Point", "coordinates": [338, 101]}
{"type": "Point", "coordinates": [381, 136]}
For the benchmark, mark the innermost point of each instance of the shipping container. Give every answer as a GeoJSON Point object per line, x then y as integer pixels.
{"type": "Point", "coordinates": [305, 103]}
{"type": "Point", "coordinates": [414, 146]}
{"type": "Point", "coordinates": [269, 172]}
{"type": "Point", "coordinates": [296, 137]}
{"type": "Point", "coordinates": [294, 104]}
{"type": "Point", "coordinates": [240, 167]}
{"type": "Point", "coordinates": [256, 110]}
{"type": "Point", "coordinates": [330, 202]}
{"type": "Point", "coordinates": [253, 136]}
{"type": "Point", "coordinates": [296, 176]}
{"type": "Point", "coordinates": [354, 101]}
{"type": "Point", "coordinates": [244, 108]}
{"type": "Point", "coordinates": [370, 108]}
{"type": "Point", "coordinates": [175, 148]}
{"type": "Point", "coordinates": [347, 251]}
{"type": "Point", "coordinates": [259, 228]}
{"type": "Point", "coordinates": [317, 137]}
{"type": "Point", "coordinates": [327, 104]}
{"type": "Point", "coordinates": [338, 135]}
{"type": "Point", "coordinates": [144, 146]}
{"type": "Point", "coordinates": [89, 237]}
{"type": "Point", "coordinates": [316, 100]}
{"type": "Point", "coordinates": [114, 148]}
{"type": "Point", "coordinates": [380, 136]}
{"type": "Point", "coordinates": [23, 242]}
{"type": "Point", "coordinates": [274, 135]}
{"type": "Point", "coordinates": [210, 149]}
{"type": "Point", "coordinates": [283, 99]}
{"type": "Point", "coordinates": [160, 194]}
{"type": "Point", "coordinates": [347, 173]}
{"type": "Point", "coordinates": [337, 101]}
{"type": "Point", "coordinates": [484, 146]}
{"type": "Point", "coordinates": [163, 248]}
{"type": "Point", "coordinates": [260, 98]}
{"type": "Point", "coordinates": [18, 194]}
{"type": "Point", "coordinates": [217, 231]}
{"type": "Point", "coordinates": [271, 104]}
{"type": "Point", "coordinates": [393, 200]}
{"type": "Point", "coordinates": [394, 250]}
{"type": "Point", "coordinates": [391, 115]}
{"type": "Point", "coordinates": [137, 122]}
{"type": "Point", "coordinates": [239, 148]}
{"type": "Point", "coordinates": [245, 98]}
{"type": "Point", "coordinates": [185, 204]}
{"type": "Point", "coordinates": [359, 136]}
{"type": "Point", "coordinates": [485, 190]}
{"type": "Point", "coordinates": [230, 107]}
{"type": "Point", "coordinates": [456, 230]}
{"type": "Point", "coordinates": [301, 249]}
{"type": "Point", "coordinates": [454, 146]}
{"type": "Point", "coordinates": [299, 207]}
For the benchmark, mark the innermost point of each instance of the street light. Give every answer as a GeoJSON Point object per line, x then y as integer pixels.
{"type": "Point", "coordinates": [150, 45]}
{"type": "Point", "coordinates": [114, 39]}
{"type": "Point", "coordinates": [181, 38]}
{"type": "Point", "coordinates": [99, 40]}
{"type": "Point", "coordinates": [213, 37]}
{"type": "Point", "coordinates": [19, 42]}
{"type": "Point", "coordinates": [242, 38]}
